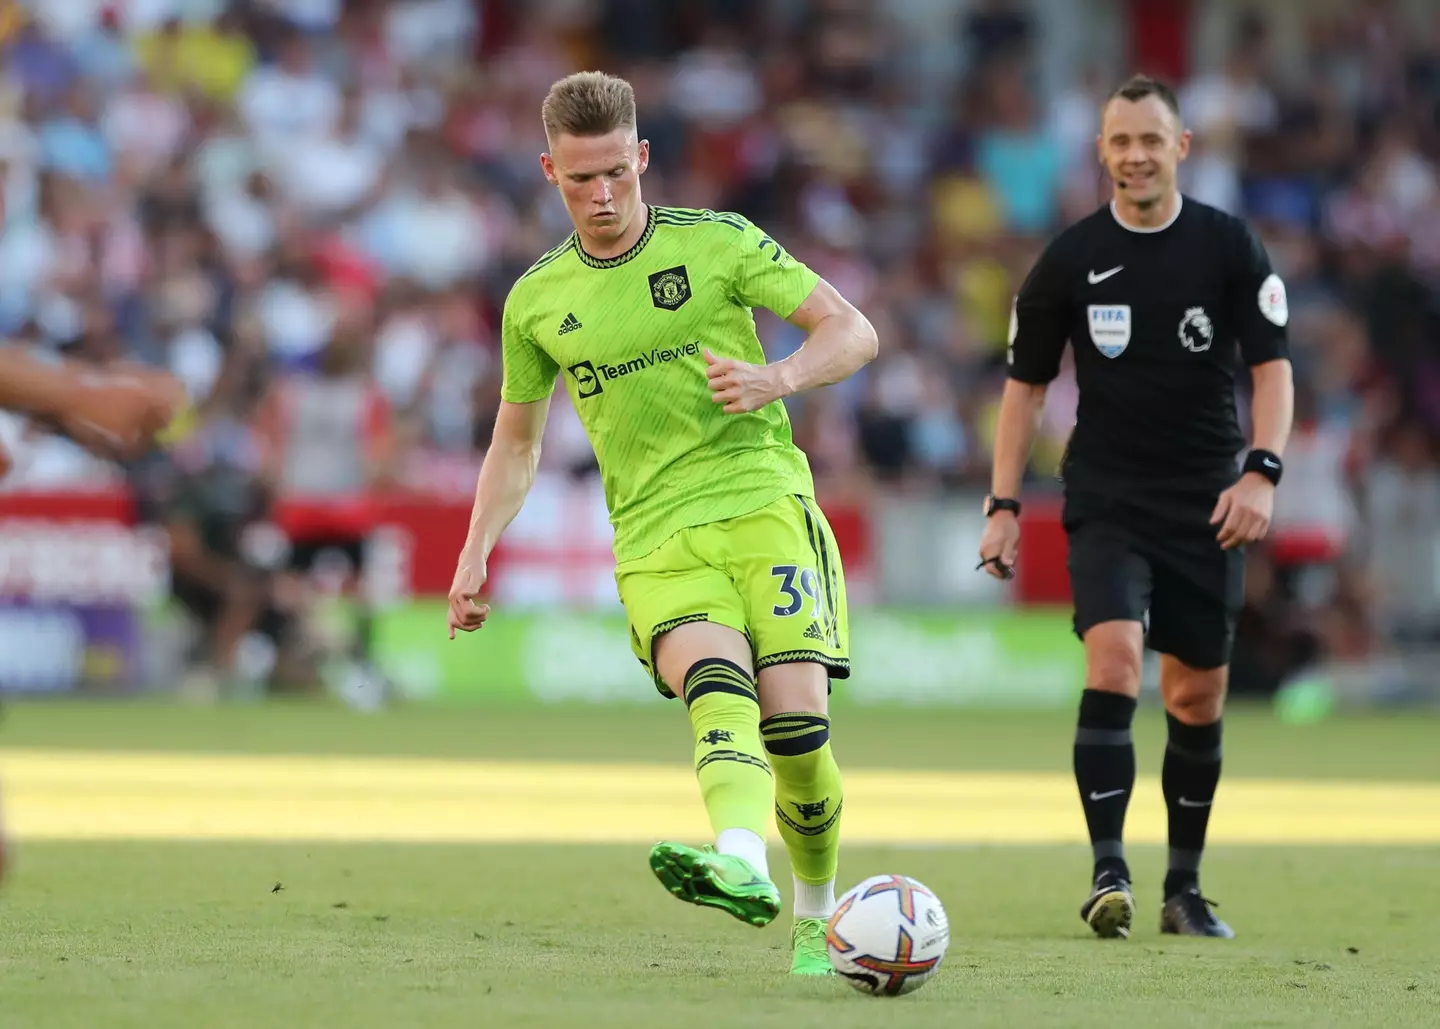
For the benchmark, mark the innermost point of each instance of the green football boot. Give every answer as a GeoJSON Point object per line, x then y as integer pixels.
{"type": "Point", "coordinates": [807, 941]}
{"type": "Point", "coordinates": [724, 881]}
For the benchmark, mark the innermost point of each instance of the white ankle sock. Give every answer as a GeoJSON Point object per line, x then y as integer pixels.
{"type": "Point", "coordinates": [745, 844]}
{"type": "Point", "coordinates": [813, 901]}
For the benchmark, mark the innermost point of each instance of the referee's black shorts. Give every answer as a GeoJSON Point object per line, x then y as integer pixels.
{"type": "Point", "coordinates": [1162, 568]}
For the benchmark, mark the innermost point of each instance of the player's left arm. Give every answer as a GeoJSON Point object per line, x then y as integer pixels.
{"type": "Point", "coordinates": [839, 339]}
{"type": "Point", "coordinates": [1261, 313]}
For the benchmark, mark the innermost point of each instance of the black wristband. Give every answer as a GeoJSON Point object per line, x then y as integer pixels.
{"type": "Point", "coordinates": [1263, 462]}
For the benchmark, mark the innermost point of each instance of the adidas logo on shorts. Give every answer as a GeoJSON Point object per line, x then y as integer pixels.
{"type": "Point", "coordinates": [570, 324]}
{"type": "Point", "coordinates": [814, 633]}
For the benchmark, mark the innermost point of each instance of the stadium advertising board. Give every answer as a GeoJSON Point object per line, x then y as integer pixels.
{"type": "Point", "coordinates": [73, 593]}
{"type": "Point", "coordinates": [1026, 658]}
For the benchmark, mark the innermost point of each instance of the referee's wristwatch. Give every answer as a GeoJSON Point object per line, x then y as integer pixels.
{"type": "Point", "coordinates": [994, 503]}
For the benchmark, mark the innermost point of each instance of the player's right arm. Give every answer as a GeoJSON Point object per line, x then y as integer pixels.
{"type": "Point", "coordinates": [508, 471]}
{"type": "Point", "coordinates": [1039, 328]}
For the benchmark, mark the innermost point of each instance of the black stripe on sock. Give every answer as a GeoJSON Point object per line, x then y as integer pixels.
{"type": "Point", "coordinates": [708, 666]}
{"type": "Point", "coordinates": [790, 735]}
{"type": "Point", "coordinates": [701, 689]}
{"type": "Point", "coordinates": [1103, 737]}
{"type": "Point", "coordinates": [718, 675]}
{"type": "Point", "coordinates": [732, 755]}
{"type": "Point", "coordinates": [1184, 861]}
{"type": "Point", "coordinates": [1107, 849]}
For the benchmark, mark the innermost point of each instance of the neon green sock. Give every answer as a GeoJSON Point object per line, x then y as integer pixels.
{"type": "Point", "coordinates": [729, 758]}
{"type": "Point", "coordinates": [807, 792]}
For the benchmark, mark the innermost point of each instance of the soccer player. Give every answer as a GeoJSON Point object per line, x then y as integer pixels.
{"type": "Point", "coordinates": [726, 567]}
{"type": "Point", "coordinates": [1154, 291]}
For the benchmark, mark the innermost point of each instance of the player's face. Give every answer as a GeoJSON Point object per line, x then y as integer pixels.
{"type": "Point", "coordinates": [599, 179]}
{"type": "Point", "coordinates": [1141, 145]}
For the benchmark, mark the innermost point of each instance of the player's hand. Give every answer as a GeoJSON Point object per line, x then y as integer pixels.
{"type": "Point", "coordinates": [999, 545]}
{"type": "Point", "coordinates": [741, 386]}
{"type": "Point", "coordinates": [1244, 510]}
{"type": "Point", "coordinates": [465, 614]}
{"type": "Point", "coordinates": [118, 411]}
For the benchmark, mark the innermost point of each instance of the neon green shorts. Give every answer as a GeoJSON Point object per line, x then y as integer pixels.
{"type": "Point", "coordinates": [773, 574]}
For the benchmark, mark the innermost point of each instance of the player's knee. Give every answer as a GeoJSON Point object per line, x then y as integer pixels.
{"type": "Point", "coordinates": [1113, 654]}
{"type": "Point", "coordinates": [680, 650]}
{"type": "Point", "coordinates": [794, 686]}
{"type": "Point", "coordinates": [1195, 696]}
{"type": "Point", "coordinates": [1196, 707]}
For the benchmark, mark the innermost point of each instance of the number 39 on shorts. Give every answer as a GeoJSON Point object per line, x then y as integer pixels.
{"type": "Point", "coordinates": [796, 585]}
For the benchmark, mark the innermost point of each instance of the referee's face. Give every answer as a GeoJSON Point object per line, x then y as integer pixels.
{"type": "Point", "coordinates": [1141, 145]}
{"type": "Point", "coordinates": [599, 179]}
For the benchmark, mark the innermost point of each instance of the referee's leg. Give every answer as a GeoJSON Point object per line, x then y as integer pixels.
{"type": "Point", "coordinates": [1111, 584]}
{"type": "Point", "coordinates": [1197, 600]}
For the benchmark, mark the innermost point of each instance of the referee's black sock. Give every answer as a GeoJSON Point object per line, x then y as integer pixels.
{"type": "Point", "coordinates": [1188, 778]}
{"type": "Point", "coordinates": [1105, 773]}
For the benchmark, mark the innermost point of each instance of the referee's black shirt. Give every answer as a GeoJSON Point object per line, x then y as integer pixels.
{"type": "Point", "coordinates": [1155, 317]}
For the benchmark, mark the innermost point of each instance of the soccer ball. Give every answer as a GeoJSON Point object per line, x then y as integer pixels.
{"type": "Point", "coordinates": [888, 935]}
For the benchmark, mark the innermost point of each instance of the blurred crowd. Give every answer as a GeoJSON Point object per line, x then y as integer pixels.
{"type": "Point", "coordinates": [312, 211]}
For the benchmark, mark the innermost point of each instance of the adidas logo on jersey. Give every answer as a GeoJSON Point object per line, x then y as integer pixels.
{"type": "Point", "coordinates": [570, 324]}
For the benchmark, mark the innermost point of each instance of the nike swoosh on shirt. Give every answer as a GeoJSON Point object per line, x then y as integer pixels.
{"type": "Point", "coordinates": [1095, 277]}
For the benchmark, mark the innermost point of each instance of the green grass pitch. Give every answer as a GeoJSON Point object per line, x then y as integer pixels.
{"type": "Point", "coordinates": [187, 934]}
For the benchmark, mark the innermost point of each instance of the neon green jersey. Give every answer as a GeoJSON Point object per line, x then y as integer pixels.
{"type": "Point", "coordinates": [628, 335]}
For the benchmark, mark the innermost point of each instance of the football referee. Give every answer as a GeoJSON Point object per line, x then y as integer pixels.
{"type": "Point", "coordinates": [1155, 291]}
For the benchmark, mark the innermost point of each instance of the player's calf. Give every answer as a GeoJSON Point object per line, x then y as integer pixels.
{"type": "Point", "coordinates": [730, 761]}
{"type": "Point", "coordinates": [735, 784]}
{"type": "Point", "coordinates": [808, 799]}
{"type": "Point", "coordinates": [1189, 779]}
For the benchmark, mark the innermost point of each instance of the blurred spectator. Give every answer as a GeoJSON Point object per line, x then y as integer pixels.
{"type": "Point", "coordinates": [1401, 491]}
{"type": "Point", "coordinates": [289, 100]}
{"type": "Point", "coordinates": [209, 59]}
{"type": "Point", "coordinates": [71, 143]}
{"type": "Point", "coordinates": [1020, 160]}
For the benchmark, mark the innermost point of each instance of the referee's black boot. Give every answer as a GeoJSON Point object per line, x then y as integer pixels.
{"type": "Point", "coordinates": [1110, 908]}
{"type": "Point", "coordinates": [1187, 913]}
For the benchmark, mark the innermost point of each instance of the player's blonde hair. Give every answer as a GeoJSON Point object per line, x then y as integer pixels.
{"type": "Point", "coordinates": [588, 103]}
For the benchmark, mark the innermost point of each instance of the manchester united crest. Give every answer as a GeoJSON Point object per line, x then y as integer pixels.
{"type": "Point", "coordinates": [670, 289]}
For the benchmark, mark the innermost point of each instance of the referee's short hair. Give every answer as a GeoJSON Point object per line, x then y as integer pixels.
{"type": "Point", "coordinates": [1138, 87]}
